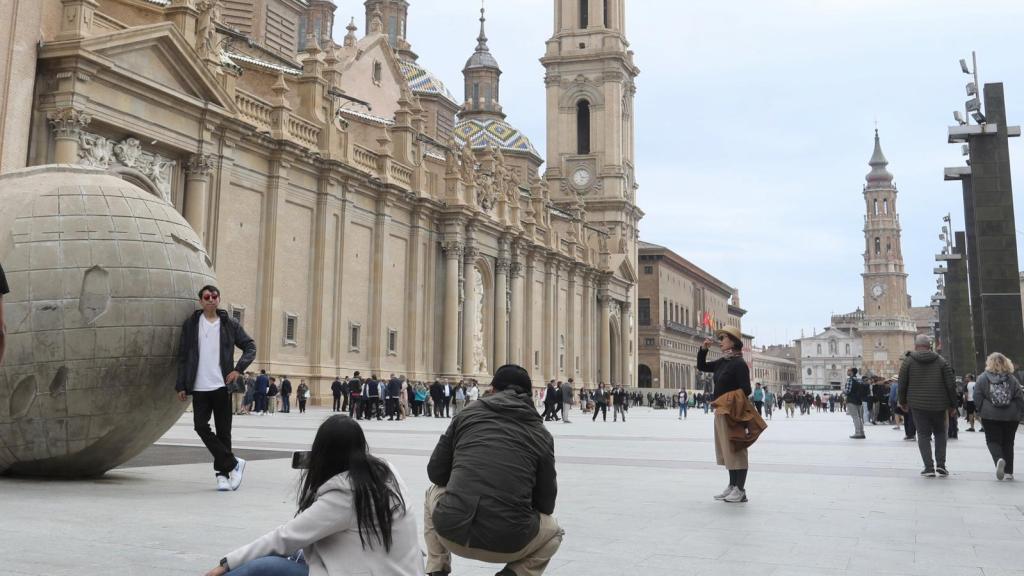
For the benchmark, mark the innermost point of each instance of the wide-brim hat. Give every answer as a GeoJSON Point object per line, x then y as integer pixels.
{"type": "Point", "coordinates": [732, 331]}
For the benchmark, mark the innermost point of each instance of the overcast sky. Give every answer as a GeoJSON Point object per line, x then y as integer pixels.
{"type": "Point", "coordinates": [755, 124]}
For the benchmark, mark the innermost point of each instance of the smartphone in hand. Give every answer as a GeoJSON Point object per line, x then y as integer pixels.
{"type": "Point", "coordinates": [300, 460]}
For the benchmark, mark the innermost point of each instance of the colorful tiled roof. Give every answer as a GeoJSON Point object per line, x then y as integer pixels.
{"type": "Point", "coordinates": [421, 81]}
{"type": "Point", "coordinates": [498, 133]}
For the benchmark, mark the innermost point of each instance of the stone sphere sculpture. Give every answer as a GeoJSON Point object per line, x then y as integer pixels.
{"type": "Point", "coordinates": [102, 275]}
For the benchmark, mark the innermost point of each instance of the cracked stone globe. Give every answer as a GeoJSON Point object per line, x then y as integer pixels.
{"type": "Point", "coordinates": [102, 274]}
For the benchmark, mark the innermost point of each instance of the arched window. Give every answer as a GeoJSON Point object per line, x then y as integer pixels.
{"type": "Point", "coordinates": [878, 246]}
{"type": "Point", "coordinates": [876, 207]}
{"type": "Point", "coordinates": [584, 13]}
{"type": "Point", "coordinates": [819, 349]}
{"type": "Point", "coordinates": [583, 127]}
{"type": "Point", "coordinates": [885, 206]}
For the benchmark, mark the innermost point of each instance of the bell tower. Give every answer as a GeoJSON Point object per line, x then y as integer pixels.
{"type": "Point", "coordinates": [888, 329]}
{"type": "Point", "coordinates": [591, 86]}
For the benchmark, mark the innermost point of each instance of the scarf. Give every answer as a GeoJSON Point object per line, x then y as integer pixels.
{"type": "Point", "coordinates": [732, 353]}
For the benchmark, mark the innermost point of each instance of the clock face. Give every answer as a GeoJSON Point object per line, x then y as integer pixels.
{"type": "Point", "coordinates": [877, 290]}
{"type": "Point", "coordinates": [581, 177]}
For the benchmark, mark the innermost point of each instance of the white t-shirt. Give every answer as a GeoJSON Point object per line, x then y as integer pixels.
{"type": "Point", "coordinates": [209, 377]}
{"type": "Point", "coordinates": [970, 391]}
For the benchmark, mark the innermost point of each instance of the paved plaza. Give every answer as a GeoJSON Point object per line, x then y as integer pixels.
{"type": "Point", "coordinates": [634, 499]}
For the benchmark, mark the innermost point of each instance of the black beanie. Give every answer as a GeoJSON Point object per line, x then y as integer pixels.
{"type": "Point", "coordinates": [512, 376]}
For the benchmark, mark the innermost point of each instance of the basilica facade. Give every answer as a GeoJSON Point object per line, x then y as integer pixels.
{"type": "Point", "coordinates": [359, 216]}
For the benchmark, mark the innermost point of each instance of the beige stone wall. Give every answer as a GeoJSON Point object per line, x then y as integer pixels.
{"type": "Point", "coordinates": [17, 68]}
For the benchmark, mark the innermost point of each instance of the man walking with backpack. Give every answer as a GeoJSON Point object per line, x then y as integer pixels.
{"type": "Point", "coordinates": [856, 392]}
{"type": "Point", "coordinates": [928, 390]}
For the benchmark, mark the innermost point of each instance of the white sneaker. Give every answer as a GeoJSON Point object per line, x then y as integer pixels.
{"type": "Point", "coordinates": [1000, 469]}
{"type": "Point", "coordinates": [222, 484]}
{"type": "Point", "coordinates": [726, 492]}
{"type": "Point", "coordinates": [1009, 477]}
{"type": "Point", "coordinates": [736, 496]}
{"type": "Point", "coordinates": [235, 477]}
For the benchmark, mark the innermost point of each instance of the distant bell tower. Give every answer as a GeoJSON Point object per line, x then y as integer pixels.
{"type": "Point", "coordinates": [590, 121]}
{"type": "Point", "coordinates": [888, 331]}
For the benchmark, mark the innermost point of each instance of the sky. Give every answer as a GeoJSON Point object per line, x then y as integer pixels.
{"type": "Point", "coordinates": [755, 124]}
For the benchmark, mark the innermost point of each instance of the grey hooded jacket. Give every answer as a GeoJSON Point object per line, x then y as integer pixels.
{"type": "Point", "coordinates": [983, 399]}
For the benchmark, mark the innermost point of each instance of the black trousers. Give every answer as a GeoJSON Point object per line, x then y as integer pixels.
{"type": "Point", "coordinates": [448, 407]}
{"type": "Point", "coordinates": [760, 406]}
{"type": "Point", "coordinates": [216, 403]}
{"type": "Point", "coordinates": [909, 430]}
{"type": "Point", "coordinates": [999, 435]}
{"type": "Point", "coordinates": [354, 410]}
{"type": "Point", "coordinates": [337, 403]}
{"type": "Point", "coordinates": [603, 408]}
{"type": "Point", "coordinates": [392, 408]}
{"type": "Point", "coordinates": [932, 423]}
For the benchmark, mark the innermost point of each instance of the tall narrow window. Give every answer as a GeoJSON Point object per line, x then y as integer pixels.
{"type": "Point", "coordinates": [607, 18]}
{"type": "Point", "coordinates": [878, 246]}
{"type": "Point", "coordinates": [584, 13]}
{"type": "Point", "coordinates": [378, 71]}
{"type": "Point", "coordinates": [476, 94]}
{"type": "Point", "coordinates": [876, 207]}
{"type": "Point", "coordinates": [583, 127]}
{"type": "Point", "coordinates": [393, 31]}
{"type": "Point", "coordinates": [643, 311]}
{"type": "Point", "coordinates": [885, 206]}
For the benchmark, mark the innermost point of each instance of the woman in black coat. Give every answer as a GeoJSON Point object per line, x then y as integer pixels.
{"type": "Point", "coordinates": [730, 373]}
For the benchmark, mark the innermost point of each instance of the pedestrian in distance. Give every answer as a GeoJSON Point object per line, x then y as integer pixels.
{"type": "Point", "coordinates": [567, 396]}
{"type": "Point", "coordinates": [789, 401]}
{"type": "Point", "coordinates": [600, 403]}
{"type": "Point", "coordinates": [460, 397]}
{"type": "Point", "coordinates": [769, 403]}
{"type": "Point", "coordinates": [260, 392]}
{"type": "Point", "coordinates": [286, 395]}
{"type": "Point", "coordinates": [353, 517]}
{"type": "Point", "coordinates": [857, 392]}
{"type": "Point", "coordinates": [735, 415]}
{"type": "Point", "coordinates": [619, 403]}
{"type": "Point", "coordinates": [1000, 404]}
{"type": "Point", "coordinates": [272, 397]}
{"type": "Point", "coordinates": [758, 398]}
{"type": "Point", "coordinates": [355, 396]}
{"type": "Point", "coordinates": [208, 341]}
{"type": "Point", "coordinates": [970, 406]}
{"type": "Point", "coordinates": [684, 399]}
{"type": "Point", "coordinates": [336, 393]}
{"type": "Point", "coordinates": [302, 394]}
{"type": "Point", "coordinates": [928, 391]}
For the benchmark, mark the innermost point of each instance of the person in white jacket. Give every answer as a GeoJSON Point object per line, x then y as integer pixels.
{"type": "Point", "coordinates": [353, 519]}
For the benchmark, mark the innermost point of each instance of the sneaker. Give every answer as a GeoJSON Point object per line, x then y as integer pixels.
{"type": "Point", "coordinates": [941, 471]}
{"type": "Point", "coordinates": [235, 477]}
{"type": "Point", "coordinates": [222, 484]}
{"type": "Point", "coordinates": [1009, 477]}
{"type": "Point", "coordinates": [928, 473]}
{"type": "Point", "coordinates": [910, 437]}
{"type": "Point", "coordinates": [971, 429]}
{"type": "Point", "coordinates": [736, 496]}
{"type": "Point", "coordinates": [1000, 469]}
{"type": "Point", "coordinates": [726, 492]}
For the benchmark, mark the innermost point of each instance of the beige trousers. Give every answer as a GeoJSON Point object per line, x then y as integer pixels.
{"type": "Point", "coordinates": [725, 454]}
{"type": "Point", "coordinates": [532, 560]}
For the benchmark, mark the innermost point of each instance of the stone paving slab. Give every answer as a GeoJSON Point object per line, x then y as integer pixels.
{"type": "Point", "coordinates": [634, 499]}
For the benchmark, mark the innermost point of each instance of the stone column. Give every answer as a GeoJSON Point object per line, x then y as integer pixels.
{"type": "Point", "coordinates": [67, 125]}
{"type": "Point", "coordinates": [604, 351]}
{"type": "Point", "coordinates": [570, 337]}
{"type": "Point", "coordinates": [626, 350]}
{"type": "Point", "coordinates": [587, 345]}
{"type": "Point", "coordinates": [501, 270]}
{"type": "Point", "coordinates": [516, 315]}
{"type": "Point", "coordinates": [469, 304]}
{"type": "Point", "coordinates": [548, 343]}
{"type": "Point", "coordinates": [449, 358]}
{"type": "Point", "coordinates": [198, 171]}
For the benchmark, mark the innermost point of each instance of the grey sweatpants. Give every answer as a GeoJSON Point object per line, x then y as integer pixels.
{"type": "Point", "coordinates": [857, 414]}
{"type": "Point", "coordinates": [932, 423]}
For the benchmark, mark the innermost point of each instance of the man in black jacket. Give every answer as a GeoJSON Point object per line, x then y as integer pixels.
{"type": "Point", "coordinates": [205, 370]}
{"type": "Point", "coordinates": [394, 391]}
{"type": "Point", "coordinates": [355, 396]}
{"type": "Point", "coordinates": [286, 395]}
{"type": "Point", "coordinates": [336, 394]}
{"type": "Point", "coordinates": [494, 488]}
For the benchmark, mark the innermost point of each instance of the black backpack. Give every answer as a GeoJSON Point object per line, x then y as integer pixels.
{"type": "Point", "coordinates": [272, 391]}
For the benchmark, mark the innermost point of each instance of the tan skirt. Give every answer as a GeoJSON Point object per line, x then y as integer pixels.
{"type": "Point", "coordinates": [725, 454]}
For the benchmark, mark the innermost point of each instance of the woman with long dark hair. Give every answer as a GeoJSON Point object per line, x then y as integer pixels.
{"type": "Point", "coordinates": [352, 517]}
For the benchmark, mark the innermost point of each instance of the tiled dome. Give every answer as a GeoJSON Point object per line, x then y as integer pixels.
{"type": "Point", "coordinates": [480, 132]}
